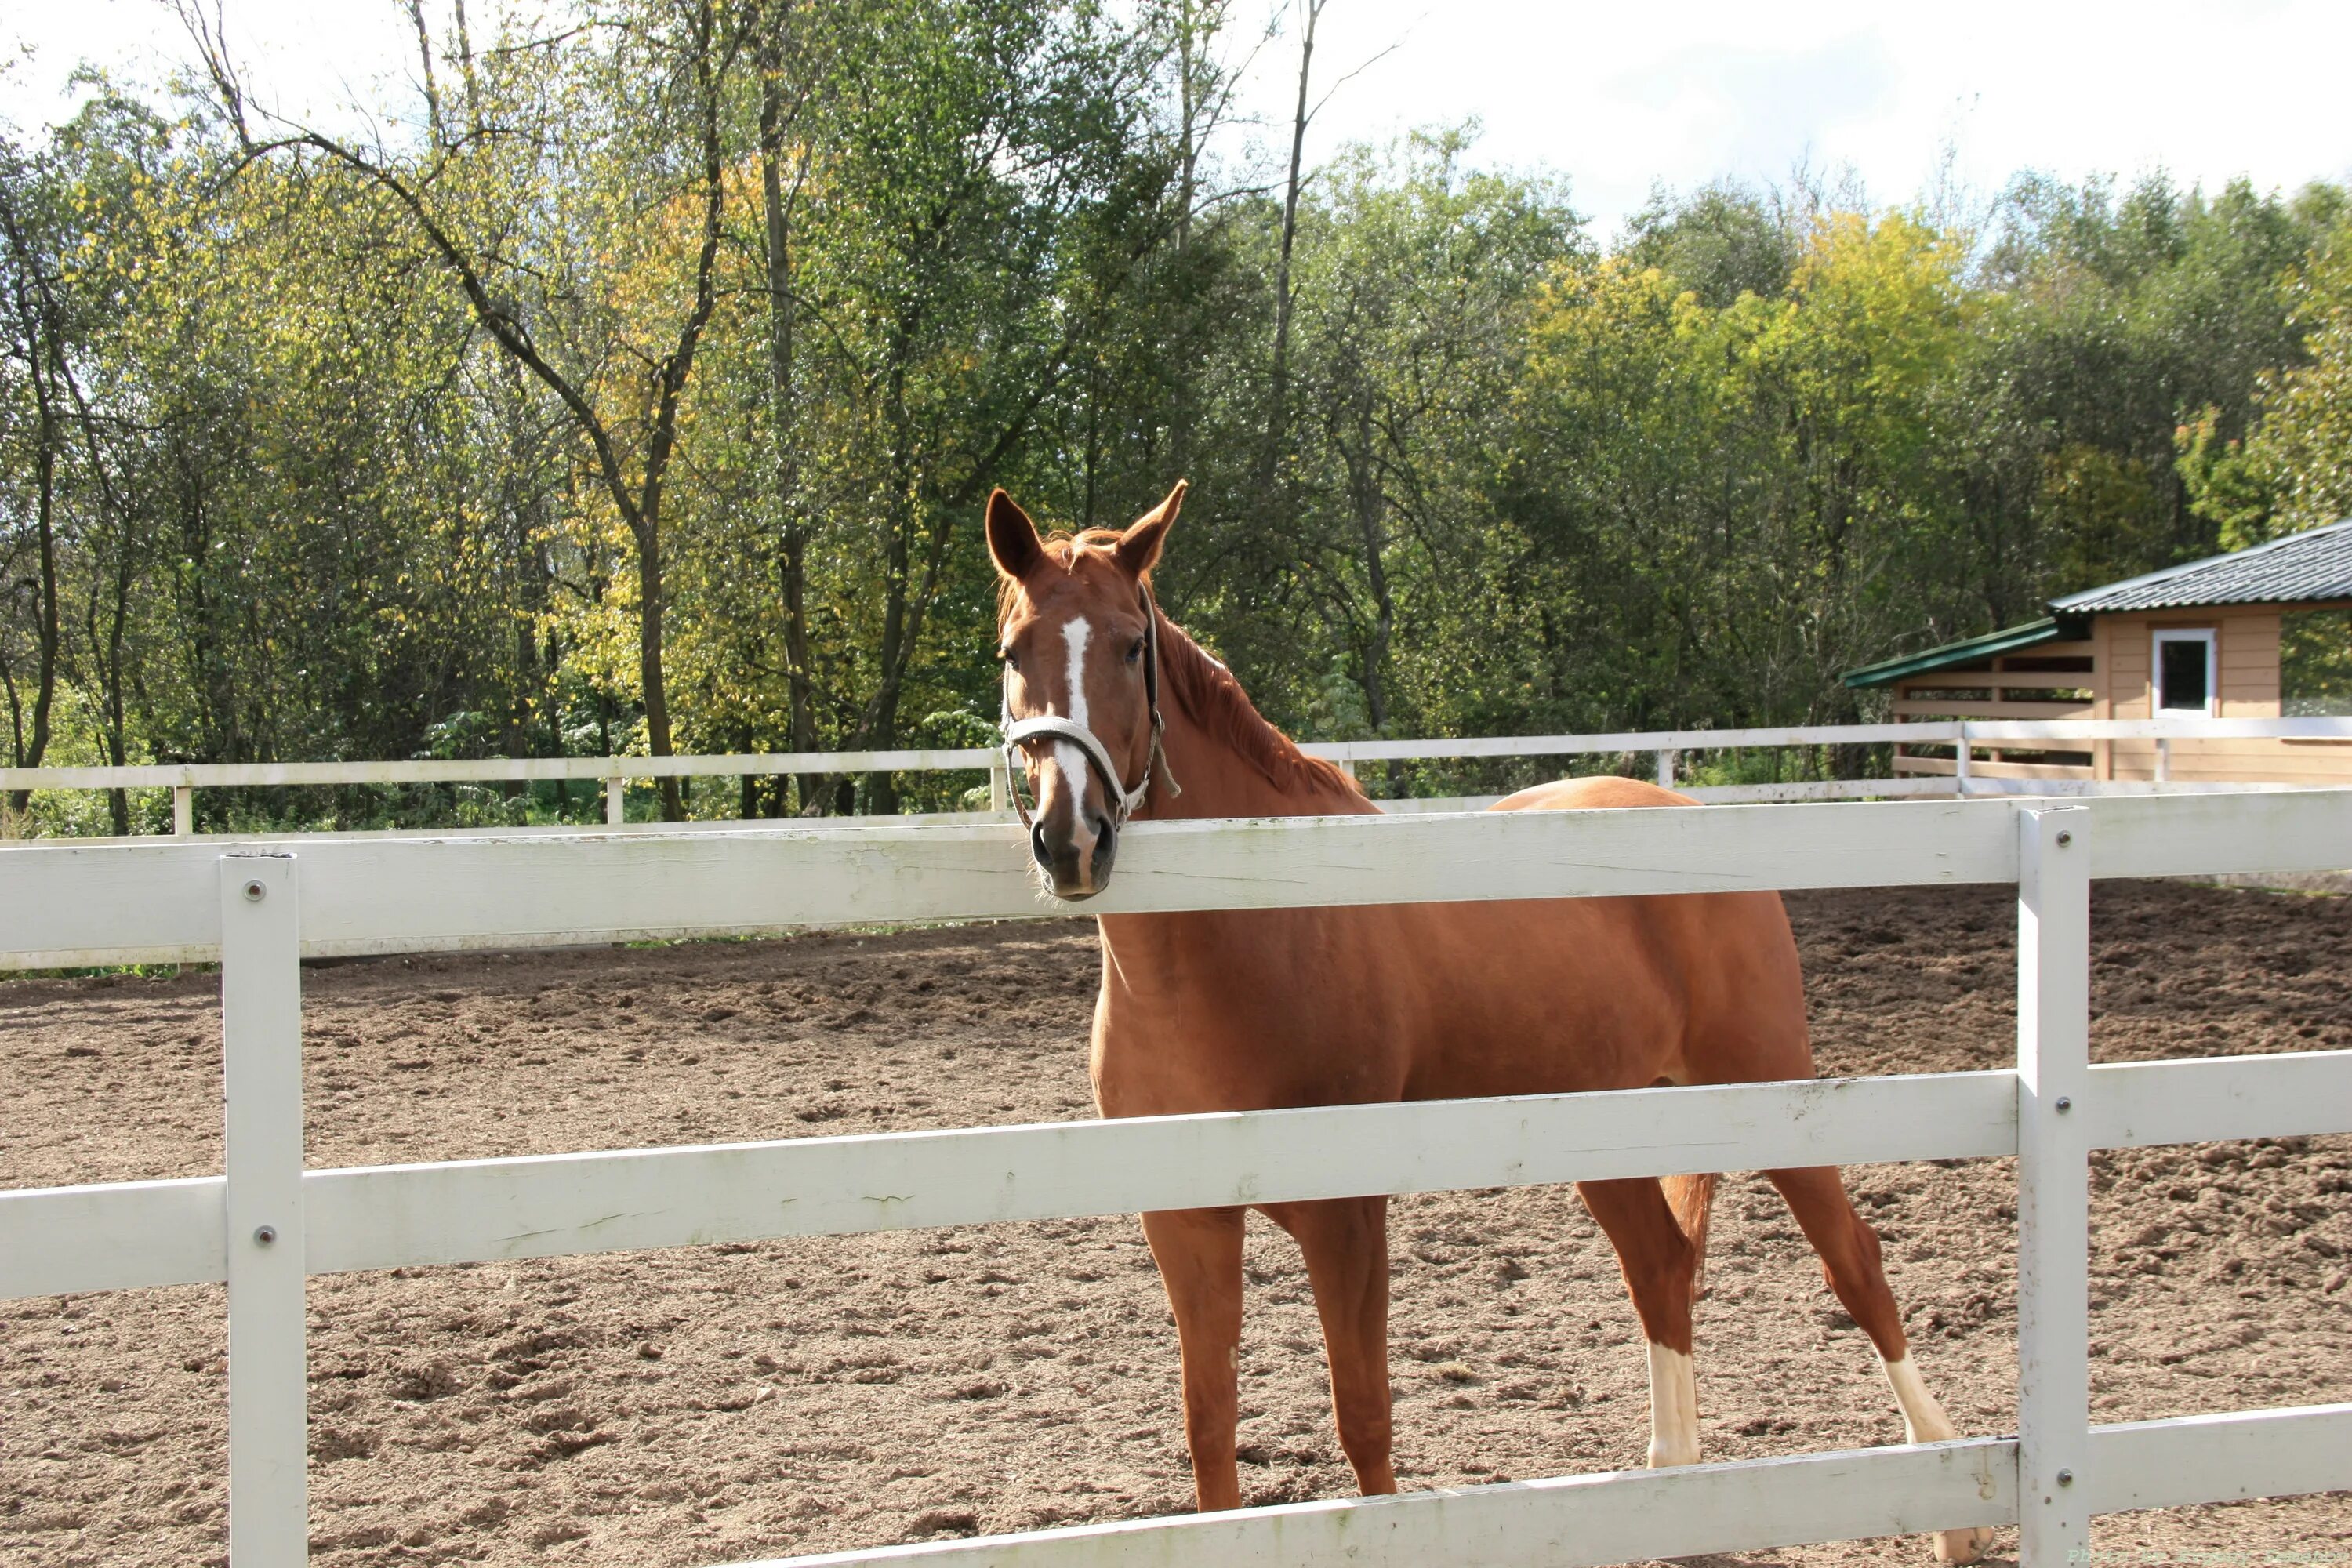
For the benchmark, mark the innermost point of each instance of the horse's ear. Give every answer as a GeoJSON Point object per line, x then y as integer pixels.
{"type": "Point", "coordinates": [1013, 541]}
{"type": "Point", "coordinates": [1138, 547]}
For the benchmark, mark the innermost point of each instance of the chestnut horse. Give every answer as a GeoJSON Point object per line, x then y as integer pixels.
{"type": "Point", "coordinates": [1111, 711]}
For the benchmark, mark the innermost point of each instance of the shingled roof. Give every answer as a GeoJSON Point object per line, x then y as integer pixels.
{"type": "Point", "coordinates": [2313, 566]}
{"type": "Point", "coordinates": [2301, 567]}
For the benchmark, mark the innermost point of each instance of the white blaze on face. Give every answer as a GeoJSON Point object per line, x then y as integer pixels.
{"type": "Point", "coordinates": [1075, 631]}
{"type": "Point", "coordinates": [1674, 1409]}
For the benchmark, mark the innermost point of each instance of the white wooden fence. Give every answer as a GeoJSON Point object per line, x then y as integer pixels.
{"type": "Point", "coordinates": [184, 779]}
{"type": "Point", "coordinates": [269, 1222]}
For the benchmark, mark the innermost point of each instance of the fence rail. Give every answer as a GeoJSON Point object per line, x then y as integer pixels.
{"type": "Point", "coordinates": [117, 901]}
{"type": "Point", "coordinates": [267, 1223]}
{"type": "Point", "coordinates": [1585, 1521]}
{"type": "Point", "coordinates": [184, 778]}
{"type": "Point", "coordinates": [69, 1240]}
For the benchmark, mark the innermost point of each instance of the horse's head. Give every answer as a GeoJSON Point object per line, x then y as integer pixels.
{"type": "Point", "coordinates": [1077, 634]}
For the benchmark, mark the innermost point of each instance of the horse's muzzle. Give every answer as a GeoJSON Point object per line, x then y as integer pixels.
{"type": "Point", "coordinates": [1076, 869]}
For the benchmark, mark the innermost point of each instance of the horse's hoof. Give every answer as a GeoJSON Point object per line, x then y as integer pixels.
{"type": "Point", "coordinates": [1963, 1546]}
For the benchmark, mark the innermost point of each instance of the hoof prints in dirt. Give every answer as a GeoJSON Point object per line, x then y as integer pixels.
{"type": "Point", "coordinates": [709, 1404]}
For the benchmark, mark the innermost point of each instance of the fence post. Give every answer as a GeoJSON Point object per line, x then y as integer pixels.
{"type": "Point", "coordinates": [2163, 760]}
{"type": "Point", "coordinates": [1668, 756]}
{"type": "Point", "coordinates": [1962, 757]}
{"type": "Point", "coordinates": [261, 1027]}
{"type": "Point", "coordinates": [1000, 784]}
{"type": "Point", "coordinates": [2054, 1032]}
{"type": "Point", "coordinates": [616, 793]}
{"type": "Point", "coordinates": [183, 809]}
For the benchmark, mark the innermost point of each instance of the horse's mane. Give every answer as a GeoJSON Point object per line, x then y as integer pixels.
{"type": "Point", "coordinates": [1214, 700]}
{"type": "Point", "coordinates": [1204, 689]}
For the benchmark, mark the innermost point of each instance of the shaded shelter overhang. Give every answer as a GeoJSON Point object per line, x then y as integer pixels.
{"type": "Point", "coordinates": [1970, 651]}
{"type": "Point", "coordinates": [2311, 567]}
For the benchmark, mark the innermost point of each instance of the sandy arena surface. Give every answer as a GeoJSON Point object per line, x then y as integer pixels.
{"type": "Point", "coordinates": [714, 1405]}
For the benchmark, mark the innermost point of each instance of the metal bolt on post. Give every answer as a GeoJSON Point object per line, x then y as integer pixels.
{"type": "Point", "coordinates": [2053, 1031]}
{"type": "Point", "coordinates": [261, 1028]}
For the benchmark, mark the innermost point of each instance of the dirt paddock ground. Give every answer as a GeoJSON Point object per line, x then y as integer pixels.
{"type": "Point", "coordinates": [714, 1405]}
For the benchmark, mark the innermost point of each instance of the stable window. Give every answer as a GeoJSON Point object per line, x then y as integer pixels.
{"type": "Point", "coordinates": [2184, 672]}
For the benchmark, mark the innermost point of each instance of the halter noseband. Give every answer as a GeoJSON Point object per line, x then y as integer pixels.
{"type": "Point", "coordinates": [1018, 733]}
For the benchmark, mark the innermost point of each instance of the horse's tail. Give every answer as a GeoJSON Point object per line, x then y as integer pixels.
{"type": "Point", "coordinates": [1693, 1200]}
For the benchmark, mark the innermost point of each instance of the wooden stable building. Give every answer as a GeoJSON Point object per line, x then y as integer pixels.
{"type": "Point", "coordinates": [2199, 640]}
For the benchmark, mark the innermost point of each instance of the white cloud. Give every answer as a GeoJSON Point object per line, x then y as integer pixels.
{"type": "Point", "coordinates": [304, 58]}
{"type": "Point", "coordinates": [1619, 96]}
{"type": "Point", "coordinates": [1616, 96]}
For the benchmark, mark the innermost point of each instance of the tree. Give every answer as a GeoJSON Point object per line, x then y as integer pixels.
{"type": "Point", "coordinates": [622, 386]}
{"type": "Point", "coordinates": [1743, 502]}
{"type": "Point", "coordinates": [1415, 298]}
{"type": "Point", "coordinates": [34, 351]}
{"type": "Point", "coordinates": [2294, 470]}
{"type": "Point", "coordinates": [2111, 320]}
{"type": "Point", "coordinates": [633, 387]}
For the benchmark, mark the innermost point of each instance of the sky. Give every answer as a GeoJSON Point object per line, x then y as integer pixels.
{"type": "Point", "coordinates": [1617, 97]}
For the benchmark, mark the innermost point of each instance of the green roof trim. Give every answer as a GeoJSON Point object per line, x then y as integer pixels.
{"type": "Point", "coordinates": [2046, 629]}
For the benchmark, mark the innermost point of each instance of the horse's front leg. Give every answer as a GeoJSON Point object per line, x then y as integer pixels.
{"type": "Point", "coordinates": [1200, 1256]}
{"type": "Point", "coordinates": [1345, 1242]}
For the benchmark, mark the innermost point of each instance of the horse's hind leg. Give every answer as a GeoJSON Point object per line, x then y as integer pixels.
{"type": "Point", "coordinates": [1345, 1242]}
{"type": "Point", "coordinates": [1660, 1264]}
{"type": "Point", "coordinates": [1200, 1256]}
{"type": "Point", "coordinates": [1848, 1253]}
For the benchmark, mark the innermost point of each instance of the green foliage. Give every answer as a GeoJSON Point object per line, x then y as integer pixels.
{"type": "Point", "coordinates": [1748, 495]}
{"type": "Point", "coordinates": [2315, 662]}
{"type": "Point", "coordinates": [643, 395]}
{"type": "Point", "coordinates": [2116, 322]}
{"type": "Point", "coordinates": [2295, 471]}
{"type": "Point", "coordinates": [1720, 242]}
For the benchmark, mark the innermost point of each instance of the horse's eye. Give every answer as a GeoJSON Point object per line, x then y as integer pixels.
{"type": "Point", "coordinates": [1136, 652]}
{"type": "Point", "coordinates": [1012, 660]}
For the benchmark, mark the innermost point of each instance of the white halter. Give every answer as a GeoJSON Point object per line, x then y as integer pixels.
{"type": "Point", "coordinates": [1019, 732]}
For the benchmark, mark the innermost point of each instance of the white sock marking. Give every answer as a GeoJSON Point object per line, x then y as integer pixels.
{"type": "Point", "coordinates": [1923, 1420]}
{"type": "Point", "coordinates": [1674, 1409]}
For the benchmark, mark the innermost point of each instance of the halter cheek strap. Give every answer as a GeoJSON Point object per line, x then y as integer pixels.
{"type": "Point", "coordinates": [1026, 729]}
{"type": "Point", "coordinates": [1018, 733]}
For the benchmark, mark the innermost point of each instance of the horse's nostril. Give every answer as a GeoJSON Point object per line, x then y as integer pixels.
{"type": "Point", "coordinates": [1037, 846]}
